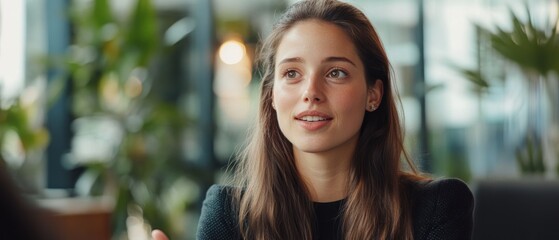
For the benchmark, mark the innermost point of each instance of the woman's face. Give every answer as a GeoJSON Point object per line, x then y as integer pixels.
{"type": "Point", "coordinates": [320, 93]}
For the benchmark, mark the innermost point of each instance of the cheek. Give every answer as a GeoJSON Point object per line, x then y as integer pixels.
{"type": "Point", "coordinates": [352, 99]}
{"type": "Point", "coordinates": [351, 105]}
{"type": "Point", "coordinates": [281, 103]}
{"type": "Point", "coordinates": [283, 98]}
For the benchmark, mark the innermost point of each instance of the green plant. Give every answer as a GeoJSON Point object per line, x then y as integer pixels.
{"type": "Point", "coordinates": [481, 84]}
{"type": "Point", "coordinates": [531, 48]}
{"type": "Point", "coordinates": [534, 50]}
{"type": "Point", "coordinates": [19, 137]}
{"type": "Point", "coordinates": [530, 157]}
{"type": "Point", "coordinates": [127, 136]}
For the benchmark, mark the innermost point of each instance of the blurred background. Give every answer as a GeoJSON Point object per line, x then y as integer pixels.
{"type": "Point", "coordinates": [116, 116]}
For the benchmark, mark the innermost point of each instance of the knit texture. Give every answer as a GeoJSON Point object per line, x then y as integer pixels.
{"type": "Point", "coordinates": [442, 209]}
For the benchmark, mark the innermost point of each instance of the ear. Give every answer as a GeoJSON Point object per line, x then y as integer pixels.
{"type": "Point", "coordinates": [374, 95]}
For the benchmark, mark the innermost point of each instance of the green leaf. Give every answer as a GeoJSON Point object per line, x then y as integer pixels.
{"type": "Point", "coordinates": [528, 46]}
{"type": "Point", "coordinates": [475, 77]}
{"type": "Point", "coordinates": [101, 13]}
{"type": "Point", "coordinates": [142, 34]}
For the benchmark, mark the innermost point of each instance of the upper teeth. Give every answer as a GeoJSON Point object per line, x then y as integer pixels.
{"type": "Point", "coordinates": [312, 118]}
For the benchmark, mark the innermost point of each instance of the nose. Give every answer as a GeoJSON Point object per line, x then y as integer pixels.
{"type": "Point", "coordinates": [313, 92]}
{"type": "Point", "coordinates": [311, 97]}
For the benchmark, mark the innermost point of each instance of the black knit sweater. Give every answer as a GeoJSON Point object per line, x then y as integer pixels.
{"type": "Point", "coordinates": [442, 209]}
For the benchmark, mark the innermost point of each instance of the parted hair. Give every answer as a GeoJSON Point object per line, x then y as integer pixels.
{"type": "Point", "coordinates": [275, 203]}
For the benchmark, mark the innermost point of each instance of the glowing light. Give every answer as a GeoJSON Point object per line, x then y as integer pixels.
{"type": "Point", "coordinates": [232, 52]}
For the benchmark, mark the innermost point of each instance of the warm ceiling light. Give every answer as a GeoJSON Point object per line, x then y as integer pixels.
{"type": "Point", "coordinates": [232, 52]}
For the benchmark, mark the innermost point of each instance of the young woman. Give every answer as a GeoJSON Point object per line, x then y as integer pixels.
{"type": "Point", "coordinates": [325, 158]}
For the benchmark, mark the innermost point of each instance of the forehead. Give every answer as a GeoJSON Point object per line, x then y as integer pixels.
{"type": "Point", "coordinates": [316, 39]}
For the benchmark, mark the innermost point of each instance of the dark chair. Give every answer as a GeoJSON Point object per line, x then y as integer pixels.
{"type": "Point", "coordinates": [516, 209]}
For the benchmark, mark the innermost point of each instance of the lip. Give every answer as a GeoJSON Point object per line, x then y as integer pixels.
{"type": "Point", "coordinates": [312, 113]}
{"type": "Point", "coordinates": [316, 125]}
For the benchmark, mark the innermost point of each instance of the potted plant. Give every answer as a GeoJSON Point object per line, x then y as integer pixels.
{"type": "Point", "coordinates": [126, 137]}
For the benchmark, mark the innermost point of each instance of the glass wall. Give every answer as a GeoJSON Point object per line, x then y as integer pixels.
{"type": "Point", "coordinates": [474, 129]}
{"type": "Point", "coordinates": [481, 114]}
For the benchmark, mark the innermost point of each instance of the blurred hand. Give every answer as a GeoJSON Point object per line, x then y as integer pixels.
{"type": "Point", "coordinates": [158, 235]}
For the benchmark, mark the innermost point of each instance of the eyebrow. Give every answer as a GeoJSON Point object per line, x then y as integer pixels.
{"type": "Point", "coordinates": [328, 59]}
{"type": "Point", "coordinates": [288, 60]}
{"type": "Point", "coordinates": [339, 59]}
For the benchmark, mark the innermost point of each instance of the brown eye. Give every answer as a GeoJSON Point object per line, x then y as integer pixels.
{"type": "Point", "coordinates": [291, 74]}
{"type": "Point", "coordinates": [337, 73]}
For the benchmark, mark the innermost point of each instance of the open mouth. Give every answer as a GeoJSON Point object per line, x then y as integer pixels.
{"type": "Point", "coordinates": [310, 116]}
{"type": "Point", "coordinates": [312, 119]}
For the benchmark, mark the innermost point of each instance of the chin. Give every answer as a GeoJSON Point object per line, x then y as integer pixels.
{"type": "Point", "coordinates": [311, 148]}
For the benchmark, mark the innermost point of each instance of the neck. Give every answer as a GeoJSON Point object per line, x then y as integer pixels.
{"type": "Point", "coordinates": [325, 175]}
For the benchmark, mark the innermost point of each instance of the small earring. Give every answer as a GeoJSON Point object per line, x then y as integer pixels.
{"type": "Point", "coordinates": [372, 108]}
{"type": "Point", "coordinates": [273, 105]}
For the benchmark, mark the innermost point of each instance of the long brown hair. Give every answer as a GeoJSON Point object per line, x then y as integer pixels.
{"type": "Point", "coordinates": [275, 203]}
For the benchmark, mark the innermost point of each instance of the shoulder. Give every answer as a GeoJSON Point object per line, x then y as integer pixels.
{"type": "Point", "coordinates": [218, 195]}
{"type": "Point", "coordinates": [442, 197]}
{"type": "Point", "coordinates": [442, 208]}
{"type": "Point", "coordinates": [449, 190]}
{"type": "Point", "coordinates": [218, 219]}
